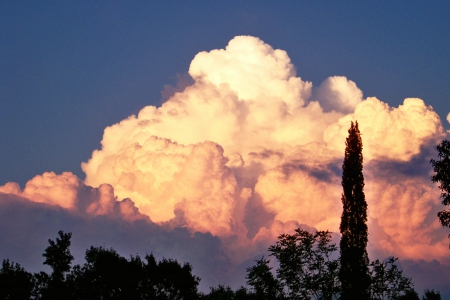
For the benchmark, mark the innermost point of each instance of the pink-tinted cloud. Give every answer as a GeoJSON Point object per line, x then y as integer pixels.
{"type": "Point", "coordinates": [247, 151]}
{"type": "Point", "coordinates": [69, 192]}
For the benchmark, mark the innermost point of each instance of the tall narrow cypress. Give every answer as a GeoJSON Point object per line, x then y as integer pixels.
{"type": "Point", "coordinates": [354, 272]}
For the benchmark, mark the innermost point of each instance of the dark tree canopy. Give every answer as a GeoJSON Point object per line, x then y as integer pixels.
{"type": "Point", "coordinates": [104, 275]}
{"type": "Point", "coordinates": [108, 275]}
{"type": "Point", "coordinates": [441, 167]}
{"type": "Point", "coordinates": [409, 295]}
{"type": "Point", "coordinates": [387, 281]}
{"type": "Point", "coordinates": [15, 281]}
{"type": "Point", "coordinates": [222, 292]}
{"type": "Point", "coordinates": [264, 284]}
{"type": "Point", "coordinates": [431, 295]}
{"type": "Point", "coordinates": [306, 268]}
{"type": "Point", "coordinates": [58, 255]}
{"type": "Point", "coordinates": [354, 273]}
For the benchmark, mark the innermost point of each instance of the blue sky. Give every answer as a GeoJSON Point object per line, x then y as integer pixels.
{"type": "Point", "coordinates": [69, 69]}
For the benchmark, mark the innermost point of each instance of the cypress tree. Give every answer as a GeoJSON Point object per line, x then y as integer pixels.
{"type": "Point", "coordinates": [354, 271]}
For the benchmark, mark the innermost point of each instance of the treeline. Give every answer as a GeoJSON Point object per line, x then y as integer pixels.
{"type": "Point", "coordinates": [306, 270]}
{"type": "Point", "coordinates": [104, 275]}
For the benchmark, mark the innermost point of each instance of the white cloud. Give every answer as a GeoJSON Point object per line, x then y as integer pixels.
{"type": "Point", "coordinates": [340, 94]}
{"type": "Point", "coordinates": [244, 153]}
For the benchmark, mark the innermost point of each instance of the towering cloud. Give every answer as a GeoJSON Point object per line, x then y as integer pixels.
{"type": "Point", "coordinates": [247, 135]}
{"type": "Point", "coordinates": [248, 151]}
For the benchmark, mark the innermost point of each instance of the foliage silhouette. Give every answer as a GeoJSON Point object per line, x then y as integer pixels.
{"type": "Point", "coordinates": [107, 275]}
{"type": "Point", "coordinates": [309, 268]}
{"type": "Point", "coordinates": [265, 285]}
{"type": "Point", "coordinates": [104, 275]}
{"type": "Point", "coordinates": [222, 292]}
{"type": "Point", "coordinates": [354, 272]}
{"type": "Point", "coordinates": [15, 281]}
{"type": "Point", "coordinates": [306, 269]}
{"type": "Point", "coordinates": [408, 295]}
{"type": "Point", "coordinates": [441, 167]}
{"type": "Point", "coordinates": [431, 295]}
{"type": "Point", "coordinates": [387, 281]}
{"type": "Point", "coordinates": [172, 281]}
{"type": "Point", "coordinates": [58, 257]}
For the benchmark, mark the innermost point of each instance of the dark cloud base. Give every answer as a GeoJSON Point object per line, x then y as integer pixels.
{"type": "Point", "coordinates": [27, 226]}
{"type": "Point", "coordinates": [428, 275]}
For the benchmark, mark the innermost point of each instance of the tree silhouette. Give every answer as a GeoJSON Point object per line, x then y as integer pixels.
{"type": "Point", "coordinates": [306, 268]}
{"type": "Point", "coordinates": [174, 281]}
{"type": "Point", "coordinates": [220, 292]}
{"type": "Point", "coordinates": [431, 295]}
{"type": "Point", "coordinates": [15, 281]}
{"type": "Point", "coordinates": [58, 255]}
{"type": "Point", "coordinates": [387, 280]}
{"type": "Point", "coordinates": [441, 167]}
{"type": "Point", "coordinates": [107, 275]}
{"type": "Point", "coordinates": [104, 275]}
{"type": "Point", "coordinates": [59, 258]}
{"type": "Point", "coordinates": [265, 285]}
{"type": "Point", "coordinates": [408, 295]}
{"type": "Point", "coordinates": [354, 272]}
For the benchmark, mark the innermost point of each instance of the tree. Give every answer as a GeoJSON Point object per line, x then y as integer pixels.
{"type": "Point", "coordinates": [408, 295]}
{"type": "Point", "coordinates": [387, 280]}
{"type": "Point", "coordinates": [306, 267]}
{"type": "Point", "coordinates": [107, 275]}
{"type": "Point", "coordinates": [441, 167]}
{"type": "Point", "coordinates": [15, 281]}
{"type": "Point", "coordinates": [173, 281]}
{"type": "Point", "coordinates": [220, 292]}
{"type": "Point", "coordinates": [59, 258]}
{"type": "Point", "coordinates": [431, 295]}
{"type": "Point", "coordinates": [265, 285]}
{"type": "Point", "coordinates": [354, 272]}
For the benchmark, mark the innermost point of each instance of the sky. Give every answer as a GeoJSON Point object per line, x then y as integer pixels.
{"type": "Point", "coordinates": [201, 131]}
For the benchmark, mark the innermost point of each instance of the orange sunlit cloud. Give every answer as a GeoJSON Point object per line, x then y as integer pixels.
{"type": "Point", "coordinates": [247, 134]}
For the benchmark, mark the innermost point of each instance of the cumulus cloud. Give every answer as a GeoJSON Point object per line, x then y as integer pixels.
{"type": "Point", "coordinates": [293, 194]}
{"type": "Point", "coordinates": [391, 133]}
{"type": "Point", "coordinates": [247, 151]}
{"type": "Point", "coordinates": [254, 70]}
{"type": "Point", "coordinates": [69, 192]}
{"type": "Point", "coordinates": [165, 179]}
{"type": "Point", "coordinates": [247, 135]}
{"type": "Point", "coordinates": [338, 93]}
{"type": "Point", "coordinates": [404, 210]}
